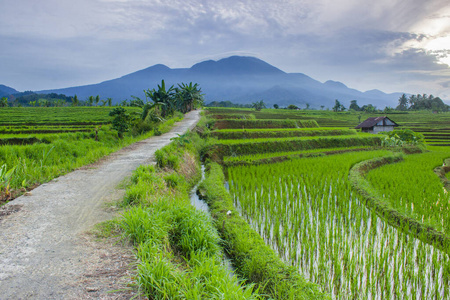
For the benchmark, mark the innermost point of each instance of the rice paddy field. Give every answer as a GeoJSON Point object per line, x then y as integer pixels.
{"type": "Point", "coordinates": [434, 126]}
{"type": "Point", "coordinates": [38, 144]}
{"type": "Point", "coordinates": [299, 198]}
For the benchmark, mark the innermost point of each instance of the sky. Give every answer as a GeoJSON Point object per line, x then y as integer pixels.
{"type": "Point", "coordinates": [390, 45]}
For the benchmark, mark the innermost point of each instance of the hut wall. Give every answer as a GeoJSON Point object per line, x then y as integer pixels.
{"type": "Point", "coordinates": [377, 129]}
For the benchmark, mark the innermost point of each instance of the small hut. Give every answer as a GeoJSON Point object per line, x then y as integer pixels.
{"type": "Point", "coordinates": [377, 124]}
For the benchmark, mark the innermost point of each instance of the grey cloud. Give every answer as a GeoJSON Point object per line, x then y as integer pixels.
{"type": "Point", "coordinates": [79, 42]}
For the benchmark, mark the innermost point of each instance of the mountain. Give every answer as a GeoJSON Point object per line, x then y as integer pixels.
{"type": "Point", "coordinates": [239, 79]}
{"type": "Point", "coordinates": [5, 91]}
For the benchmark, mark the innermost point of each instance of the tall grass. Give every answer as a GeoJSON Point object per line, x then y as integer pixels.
{"type": "Point", "coordinates": [178, 249]}
{"type": "Point", "coordinates": [41, 162]}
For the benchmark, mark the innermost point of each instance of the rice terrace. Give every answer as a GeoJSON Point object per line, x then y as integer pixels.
{"type": "Point", "coordinates": [225, 150]}
{"type": "Point", "coordinates": [300, 204]}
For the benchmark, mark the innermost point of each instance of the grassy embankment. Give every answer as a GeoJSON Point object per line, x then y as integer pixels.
{"type": "Point", "coordinates": [35, 156]}
{"type": "Point", "coordinates": [178, 248]}
{"type": "Point", "coordinates": [389, 269]}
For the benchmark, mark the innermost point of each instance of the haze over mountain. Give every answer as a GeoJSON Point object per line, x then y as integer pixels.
{"type": "Point", "coordinates": [6, 91]}
{"type": "Point", "coordinates": [239, 79]}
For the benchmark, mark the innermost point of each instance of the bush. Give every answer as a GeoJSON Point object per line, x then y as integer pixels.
{"type": "Point", "coordinates": [402, 137]}
{"type": "Point", "coordinates": [172, 180]}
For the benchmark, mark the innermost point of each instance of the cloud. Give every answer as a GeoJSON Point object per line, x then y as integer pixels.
{"type": "Point", "coordinates": [381, 44]}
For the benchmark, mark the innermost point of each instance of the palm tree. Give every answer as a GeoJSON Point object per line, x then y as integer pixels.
{"type": "Point", "coordinates": [258, 105]}
{"type": "Point", "coordinates": [164, 98]}
{"type": "Point", "coordinates": [4, 102]}
{"type": "Point", "coordinates": [188, 96]}
{"type": "Point", "coordinates": [75, 100]}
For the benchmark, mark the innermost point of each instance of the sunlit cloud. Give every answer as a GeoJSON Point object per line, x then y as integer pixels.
{"type": "Point", "coordinates": [397, 45]}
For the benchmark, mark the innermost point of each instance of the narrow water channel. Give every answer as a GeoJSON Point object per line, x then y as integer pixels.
{"type": "Point", "coordinates": [202, 205]}
{"type": "Point", "coordinates": [195, 199]}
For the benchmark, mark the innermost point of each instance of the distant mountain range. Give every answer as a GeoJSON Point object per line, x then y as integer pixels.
{"type": "Point", "coordinates": [238, 79]}
{"type": "Point", "coordinates": [5, 91]}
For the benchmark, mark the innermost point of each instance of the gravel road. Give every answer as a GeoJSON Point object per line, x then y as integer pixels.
{"type": "Point", "coordinates": [45, 252]}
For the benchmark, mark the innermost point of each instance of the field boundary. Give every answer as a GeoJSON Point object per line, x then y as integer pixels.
{"type": "Point", "coordinates": [251, 256]}
{"type": "Point", "coordinates": [407, 224]}
{"type": "Point", "coordinates": [219, 150]}
{"type": "Point", "coordinates": [281, 158]}
{"type": "Point", "coordinates": [441, 171]}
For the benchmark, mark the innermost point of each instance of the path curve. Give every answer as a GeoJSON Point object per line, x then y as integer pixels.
{"type": "Point", "coordinates": [41, 253]}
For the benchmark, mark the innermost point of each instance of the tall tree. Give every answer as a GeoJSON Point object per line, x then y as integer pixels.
{"type": "Point", "coordinates": [258, 105]}
{"type": "Point", "coordinates": [402, 103]}
{"type": "Point", "coordinates": [338, 106]}
{"type": "Point", "coordinates": [75, 100]}
{"type": "Point", "coordinates": [163, 96]}
{"type": "Point", "coordinates": [121, 120]}
{"type": "Point", "coordinates": [4, 102]}
{"type": "Point", "coordinates": [354, 105]}
{"type": "Point", "coordinates": [188, 96]}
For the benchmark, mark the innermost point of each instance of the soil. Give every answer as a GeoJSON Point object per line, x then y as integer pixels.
{"type": "Point", "coordinates": [46, 251]}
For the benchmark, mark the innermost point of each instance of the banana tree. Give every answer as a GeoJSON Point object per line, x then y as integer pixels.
{"type": "Point", "coordinates": [163, 98]}
{"type": "Point", "coordinates": [188, 96]}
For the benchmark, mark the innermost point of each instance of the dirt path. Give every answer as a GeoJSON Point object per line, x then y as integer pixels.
{"type": "Point", "coordinates": [44, 250]}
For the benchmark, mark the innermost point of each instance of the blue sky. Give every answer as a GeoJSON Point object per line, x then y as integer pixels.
{"type": "Point", "coordinates": [391, 45]}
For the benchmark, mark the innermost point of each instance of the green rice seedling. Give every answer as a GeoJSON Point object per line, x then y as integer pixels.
{"type": "Point", "coordinates": [259, 158]}
{"type": "Point", "coordinates": [331, 237]}
{"type": "Point", "coordinates": [412, 188]}
{"type": "Point", "coordinates": [279, 132]}
{"type": "Point", "coordinates": [254, 146]}
{"type": "Point", "coordinates": [239, 124]}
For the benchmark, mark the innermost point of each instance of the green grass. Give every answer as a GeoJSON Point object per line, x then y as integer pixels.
{"type": "Point", "coordinates": [279, 132]}
{"type": "Point", "coordinates": [56, 115]}
{"type": "Point", "coordinates": [38, 158]}
{"type": "Point", "coordinates": [241, 124]}
{"type": "Point", "coordinates": [178, 249]}
{"type": "Point", "coordinates": [278, 156]}
{"type": "Point", "coordinates": [223, 148]}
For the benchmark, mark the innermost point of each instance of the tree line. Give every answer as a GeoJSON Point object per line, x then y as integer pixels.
{"type": "Point", "coordinates": [160, 103]}
{"type": "Point", "coordinates": [421, 102]}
